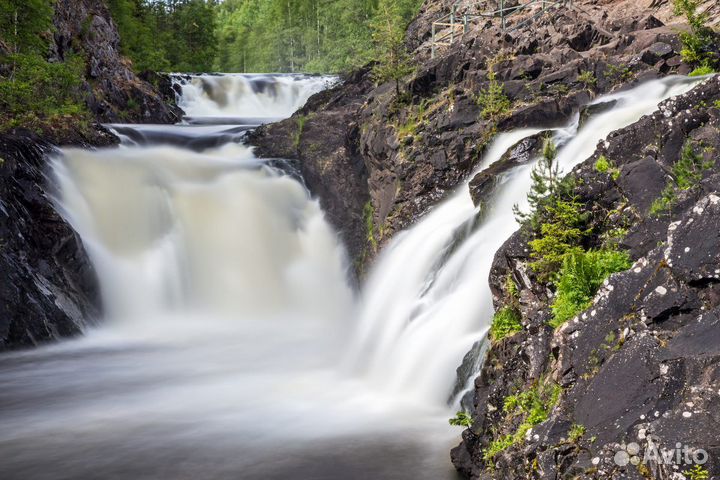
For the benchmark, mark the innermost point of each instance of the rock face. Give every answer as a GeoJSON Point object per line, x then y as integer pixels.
{"type": "Point", "coordinates": [640, 368]}
{"type": "Point", "coordinates": [416, 147]}
{"type": "Point", "coordinates": [115, 93]}
{"type": "Point", "coordinates": [49, 289]}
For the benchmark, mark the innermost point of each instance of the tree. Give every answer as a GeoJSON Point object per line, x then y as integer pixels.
{"type": "Point", "coordinates": [389, 39]}
{"type": "Point", "coordinates": [545, 182]}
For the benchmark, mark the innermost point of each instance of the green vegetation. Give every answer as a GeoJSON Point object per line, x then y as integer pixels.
{"type": "Point", "coordinates": [561, 232]}
{"type": "Point", "coordinates": [492, 99]}
{"type": "Point", "coordinates": [369, 216]}
{"type": "Point", "coordinates": [33, 91]}
{"type": "Point", "coordinates": [701, 71]}
{"type": "Point", "coordinates": [312, 35]}
{"type": "Point", "coordinates": [545, 185]}
{"type": "Point", "coordinates": [698, 43]}
{"type": "Point", "coordinates": [506, 322]}
{"type": "Point", "coordinates": [587, 78]}
{"type": "Point", "coordinates": [461, 419]}
{"type": "Point", "coordinates": [603, 165]}
{"type": "Point", "coordinates": [686, 173]}
{"type": "Point", "coordinates": [697, 473]}
{"type": "Point", "coordinates": [297, 136]}
{"type": "Point", "coordinates": [172, 35]}
{"type": "Point", "coordinates": [581, 275]}
{"type": "Point", "coordinates": [576, 433]}
{"type": "Point", "coordinates": [534, 406]}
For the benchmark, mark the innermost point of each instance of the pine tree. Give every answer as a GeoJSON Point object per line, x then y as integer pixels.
{"type": "Point", "coordinates": [389, 39]}
{"type": "Point", "coordinates": [545, 183]}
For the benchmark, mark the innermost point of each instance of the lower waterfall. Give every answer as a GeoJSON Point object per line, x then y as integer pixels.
{"type": "Point", "coordinates": [233, 345]}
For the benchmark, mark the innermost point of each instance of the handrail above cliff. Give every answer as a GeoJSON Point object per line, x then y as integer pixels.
{"type": "Point", "coordinates": [454, 25]}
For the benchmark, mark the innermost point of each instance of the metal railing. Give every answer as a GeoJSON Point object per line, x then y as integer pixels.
{"type": "Point", "coordinates": [454, 25]}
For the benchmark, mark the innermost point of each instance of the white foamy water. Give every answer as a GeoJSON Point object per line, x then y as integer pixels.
{"type": "Point", "coordinates": [248, 95]}
{"type": "Point", "coordinates": [232, 345]}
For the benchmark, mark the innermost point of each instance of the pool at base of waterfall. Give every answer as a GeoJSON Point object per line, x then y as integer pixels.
{"type": "Point", "coordinates": [232, 345]}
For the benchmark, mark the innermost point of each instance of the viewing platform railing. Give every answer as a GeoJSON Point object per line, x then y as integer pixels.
{"type": "Point", "coordinates": [448, 28]}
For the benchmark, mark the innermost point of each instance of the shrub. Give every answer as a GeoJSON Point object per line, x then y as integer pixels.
{"type": "Point", "coordinates": [701, 71]}
{"type": "Point", "coordinates": [686, 173]}
{"type": "Point", "coordinates": [587, 78]}
{"type": "Point", "coordinates": [369, 216]}
{"type": "Point", "coordinates": [581, 275]}
{"type": "Point", "coordinates": [461, 419]}
{"type": "Point", "coordinates": [697, 473]}
{"type": "Point", "coordinates": [698, 42]}
{"type": "Point", "coordinates": [562, 232]}
{"type": "Point", "coordinates": [534, 405]}
{"type": "Point", "coordinates": [492, 100]}
{"type": "Point", "coordinates": [506, 322]}
{"type": "Point", "coordinates": [603, 165]}
{"type": "Point", "coordinates": [545, 185]}
{"type": "Point", "coordinates": [576, 432]}
{"type": "Point", "coordinates": [37, 90]}
{"type": "Point", "coordinates": [297, 136]}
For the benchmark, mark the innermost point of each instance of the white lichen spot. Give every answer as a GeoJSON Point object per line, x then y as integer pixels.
{"type": "Point", "coordinates": [660, 290]}
{"type": "Point", "coordinates": [687, 414]}
{"type": "Point", "coordinates": [664, 369]}
{"type": "Point", "coordinates": [687, 249]}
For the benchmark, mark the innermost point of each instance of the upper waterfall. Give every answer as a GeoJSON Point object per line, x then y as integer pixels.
{"type": "Point", "coordinates": [266, 97]}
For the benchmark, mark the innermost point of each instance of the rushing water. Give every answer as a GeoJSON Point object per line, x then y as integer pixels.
{"type": "Point", "coordinates": [233, 347]}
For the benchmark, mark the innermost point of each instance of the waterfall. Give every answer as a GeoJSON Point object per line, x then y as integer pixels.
{"type": "Point", "coordinates": [419, 317]}
{"type": "Point", "coordinates": [233, 345]}
{"type": "Point", "coordinates": [259, 96]}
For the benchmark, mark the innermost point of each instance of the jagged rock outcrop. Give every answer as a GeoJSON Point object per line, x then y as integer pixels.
{"type": "Point", "coordinates": [49, 288]}
{"type": "Point", "coordinates": [640, 367]}
{"type": "Point", "coordinates": [115, 93]}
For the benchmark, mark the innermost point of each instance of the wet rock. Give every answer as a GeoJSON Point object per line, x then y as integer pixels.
{"type": "Point", "coordinates": [49, 288]}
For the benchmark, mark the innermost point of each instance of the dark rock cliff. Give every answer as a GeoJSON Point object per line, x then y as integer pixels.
{"type": "Point", "coordinates": [49, 288]}
{"type": "Point", "coordinates": [643, 361]}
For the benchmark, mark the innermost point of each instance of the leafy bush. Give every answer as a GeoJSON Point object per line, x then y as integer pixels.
{"type": "Point", "coordinates": [562, 232]}
{"type": "Point", "coordinates": [581, 275]}
{"type": "Point", "coordinates": [697, 473]}
{"type": "Point", "coordinates": [701, 71]}
{"type": "Point", "coordinates": [603, 165]}
{"type": "Point", "coordinates": [369, 216]}
{"type": "Point", "coordinates": [461, 419]}
{"type": "Point", "coordinates": [506, 322]}
{"type": "Point", "coordinates": [576, 432]}
{"type": "Point", "coordinates": [698, 42]}
{"type": "Point", "coordinates": [492, 99]}
{"type": "Point", "coordinates": [37, 90]}
{"type": "Point", "coordinates": [587, 78]}
{"type": "Point", "coordinates": [534, 405]}
{"type": "Point", "coordinates": [686, 173]}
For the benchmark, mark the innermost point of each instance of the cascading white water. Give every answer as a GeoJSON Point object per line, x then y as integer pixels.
{"type": "Point", "coordinates": [229, 317]}
{"type": "Point", "coordinates": [418, 317]}
{"type": "Point", "coordinates": [247, 95]}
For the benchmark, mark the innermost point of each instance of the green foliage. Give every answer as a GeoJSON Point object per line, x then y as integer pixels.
{"type": "Point", "coordinates": [561, 233]}
{"type": "Point", "coordinates": [388, 35]}
{"type": "Point", "coordinates": [580, 277]}
{"type": "Point", "coordinates": [492, 99]}
{"type": "Point", "coordinates": [534, 405]}
{"type": "Point", "coordinates": [686, 174]}
{"type": "Point", "coordinates": [701, 71]}
{"type": "Point", "coordinates": [603, 165]}
{"type": "Point", "coordinates": [36, 91]}
{"type": "Point", "coordinates": [506, 322]}
{"type": "Point", "coordinates": [698, 42]}
{"type": "Point", "coordinates": [716, 104]}
{"type": "Point", "coordinates": [697, 473]}
{"type": "Point", "coordinates": [301, 119]}
{"type": "Point", "coordinates": [175, 35]}
{"type": "Point", "coordinates": [546, 184]}
{"type": "Point", "coordinates": [369, 216]}
{"type": "Point", "coordinates": [576, 433]}
{"type": "Point", "coordinates": [461, 419]}
{"type": "Point", "coordinates": [25, 25]}
{"type": "Point", "coordinates": [587, 78]}
{"type": "Point", "coordinates": [323, 36]}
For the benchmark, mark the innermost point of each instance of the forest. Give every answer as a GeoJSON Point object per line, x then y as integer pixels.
{"type": "Point", "coordinates": [313, 36]}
